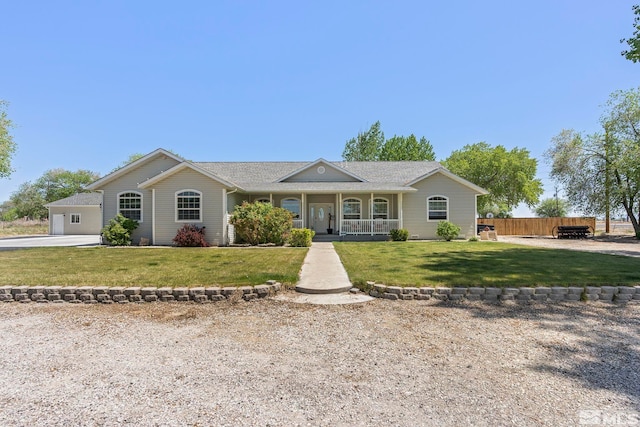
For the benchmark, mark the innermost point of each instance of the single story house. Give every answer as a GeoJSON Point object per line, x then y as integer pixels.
{"type": "Point", "coordinates": [77, 214]}
{"type": "Point", "coordinates": [163, 192]}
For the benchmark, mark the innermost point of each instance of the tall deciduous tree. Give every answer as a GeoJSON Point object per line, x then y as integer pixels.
{"type": "Point", "coordinates": [633, 53]}
{"type": "Point", "coordinates": [54, 184]}
{"type": "Point", "coordinates": [366, 146]}
{"type": "Point", "coordinates": [57, 184]}
{"type": "Point", "coordinates": [603, 170]}
{"type": "Point", "coordinates": [7, 146]}
{"type": "Point", "coordinates": [552, 207]}
{"type": "Point", "coordinates": [406, 148]}
{"type": "Point", "coordinates": [372, 146]}
{"type": "Point", "coordinates": [509, 176]}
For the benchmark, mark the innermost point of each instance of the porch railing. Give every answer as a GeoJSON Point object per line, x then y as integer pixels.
{"type": "Point", "coordinates": [297, 223]}
{"type": "Point", "coordinates": [368, 226]}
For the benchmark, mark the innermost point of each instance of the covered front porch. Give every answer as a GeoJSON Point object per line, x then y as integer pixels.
{"type": "Point", "coordinates": [341, 214]}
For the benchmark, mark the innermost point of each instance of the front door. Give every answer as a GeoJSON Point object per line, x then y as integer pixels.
{"type": "Point", "coordinates": [57, 224]}
{"type": "Point", "coordinates": [319, 215]}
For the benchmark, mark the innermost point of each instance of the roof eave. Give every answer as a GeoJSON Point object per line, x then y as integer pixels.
{"type": "Point", "coordinates": [115, 174]}
{"type": "Point", "coordinates": [179, 167]}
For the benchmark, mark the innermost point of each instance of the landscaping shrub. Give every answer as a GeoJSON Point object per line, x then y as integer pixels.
{"type": "Point", "coordinates": [448, 230]}
{"type": "Point", "coordinates": [118, 231]}
{"type": "Point", "coordinates": [399, 234]}
{"type": "Point", "coordinates": [301, 237]}
{"type": "Point", "coordinates": [190, 236]}
{"type": "Point", "coordinates": [260, 223]}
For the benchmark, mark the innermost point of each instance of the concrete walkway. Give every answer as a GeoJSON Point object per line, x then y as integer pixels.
{"type": "Point", "coordinates": [322, 271]}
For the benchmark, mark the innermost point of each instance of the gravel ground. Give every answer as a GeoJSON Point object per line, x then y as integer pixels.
{"type": "Point", "coordinates": [275, 363]}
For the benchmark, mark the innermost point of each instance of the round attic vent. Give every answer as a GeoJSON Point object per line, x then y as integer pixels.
{"type": "Point", "coordinates": [321, 170]}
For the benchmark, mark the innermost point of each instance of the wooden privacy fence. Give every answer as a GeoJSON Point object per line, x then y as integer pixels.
{"type": "Point", "coordinates": [533, 226]}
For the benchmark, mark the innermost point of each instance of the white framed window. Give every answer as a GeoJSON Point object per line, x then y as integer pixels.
{"type": "Point", "coordinates": [352, 208]}
{"type": "Point", "coordinates": [188, 206]}
{"type": "Point", "coordinates": [130, 205]}
{"type": "Point", "coordinates": [292, 205]}
{"type": "Point", "coordinates": [74, 218]}
{"type": "Point", "coordinates": [380, 208]}
{"type": "Point", "coordinates": [437, 208]}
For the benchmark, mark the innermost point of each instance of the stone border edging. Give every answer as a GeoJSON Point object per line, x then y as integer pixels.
{"type": "Point", "coordinates": [619, 294]}
{"type": "Point", "coordinates": [122, 294]}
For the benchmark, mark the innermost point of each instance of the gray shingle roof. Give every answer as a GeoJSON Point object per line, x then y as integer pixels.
{"type": "Point", "coordinates": [253, 174]}
{"type": "Point", "coordinates": [79, 199]}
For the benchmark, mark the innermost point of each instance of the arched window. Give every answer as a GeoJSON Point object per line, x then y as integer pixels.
{"type": "Point", "coordinates": [380, 208]}
{"type": "Point", "coordinates": [352, 208]}
{"type": "Point", "coordinates": [188, 206]}
{"type": "Point", "coordinates": [292, 205]}
{"type": "Point", "coordinates": [130, 205]}
{"type": "Point", "coordinates": [437, 208]}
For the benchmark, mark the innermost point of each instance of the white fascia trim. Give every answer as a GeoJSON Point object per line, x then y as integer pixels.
{"type": "Point", "coordinates": [113, 175]}
{"type": "Point", "coordinates": [452, 176]}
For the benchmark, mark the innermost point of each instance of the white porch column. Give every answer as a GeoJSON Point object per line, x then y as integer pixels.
{"type": "Point", "coordinates": [400, 225]}
{"type": "Point", "coordinates": [303, 209]}
{"type": "Point", "coordinates": [371, 212]}
{"type": "Point", "coordinates": [339, 212]}
{"type": "Point", "coordinates": [271, 198]}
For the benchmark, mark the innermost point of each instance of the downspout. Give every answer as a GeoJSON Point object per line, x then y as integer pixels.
{"type": "Point", "coordinates": [153, 216]}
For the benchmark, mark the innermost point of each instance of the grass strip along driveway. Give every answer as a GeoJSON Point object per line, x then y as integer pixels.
{"type": "Point", "coordinates": [481, 264]}
{"type": "Point", "coordinates": [130, 266]}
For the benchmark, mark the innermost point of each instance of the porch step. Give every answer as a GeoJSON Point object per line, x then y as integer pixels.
{"type": "Point", "coordinates": [322, 271]}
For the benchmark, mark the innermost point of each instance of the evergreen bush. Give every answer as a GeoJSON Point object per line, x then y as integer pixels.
{"type": "Point", "coordinates": [399, 234]}
{"type": "Point", "coordinates": [118, 231]}
{"type": "Point", "coordinates": [448, 230]}
{"type": "Point", "coordinates": [261, 223]}
{"type": "Point", "coordinates": [301, 237]}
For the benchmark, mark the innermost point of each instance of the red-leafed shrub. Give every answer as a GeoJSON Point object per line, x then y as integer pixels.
{"type": "Point", "coordinates": [190, 236]}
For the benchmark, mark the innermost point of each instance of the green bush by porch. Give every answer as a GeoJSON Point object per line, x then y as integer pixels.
{"type": "Point", "coordinates": [459, 263]}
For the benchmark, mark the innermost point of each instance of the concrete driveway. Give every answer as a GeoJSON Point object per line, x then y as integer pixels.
{"type": "Point", "coordinates": [42, 241]}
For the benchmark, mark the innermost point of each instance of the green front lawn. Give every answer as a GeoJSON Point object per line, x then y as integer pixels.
{"type": "Point", "coordinates": [481, 264]}
{"type": "Point", "coordinates": [129, 266]}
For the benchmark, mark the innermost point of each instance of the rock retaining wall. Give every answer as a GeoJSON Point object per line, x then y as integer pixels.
{"type": "Point", "coordinates": [619, 294]}
{"type": "Point", "coordinates": [121, 294]}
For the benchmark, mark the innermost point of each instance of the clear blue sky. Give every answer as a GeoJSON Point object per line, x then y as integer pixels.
{"type": "Point", "coordinates": [90, 83]}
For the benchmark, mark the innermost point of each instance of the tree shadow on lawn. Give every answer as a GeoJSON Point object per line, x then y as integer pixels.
{"type": "Point", "coordinates": [605, 355]}
{"type": "Point", "coordinates": [528, 266]}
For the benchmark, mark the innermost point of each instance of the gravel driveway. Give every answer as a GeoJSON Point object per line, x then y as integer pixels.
{"type": "Point", "coordinates": [274, 363]}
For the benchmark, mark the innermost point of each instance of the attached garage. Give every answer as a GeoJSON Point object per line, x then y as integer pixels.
{"type": "Point", "coordinates": [78, 214]}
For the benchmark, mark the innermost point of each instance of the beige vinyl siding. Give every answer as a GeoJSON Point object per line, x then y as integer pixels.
{"type": "Point", "coordinates": [90, 219]}
{"type": "Point", "coordinates": [129, 182]}
{"type": "Point", "coordinates": [462, 207]}
{"type": "Point", "coordinates": [212, 214]}
{"type": "Point", "coordinates": [235, 199]}
{"type": "Point", "coordinates": [330, 175]}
